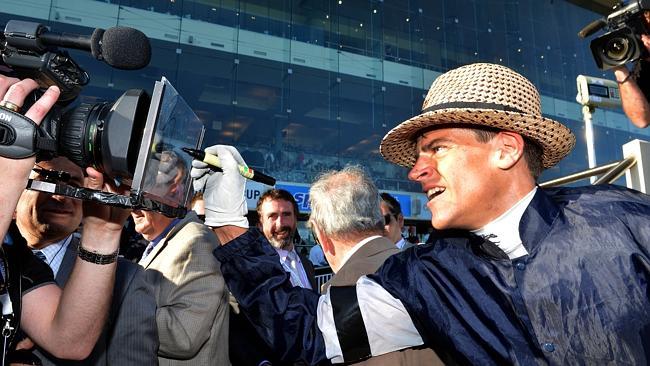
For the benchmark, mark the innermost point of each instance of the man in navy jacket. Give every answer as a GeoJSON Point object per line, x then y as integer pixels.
{"type": "Point", "coordinates": [515, 275]}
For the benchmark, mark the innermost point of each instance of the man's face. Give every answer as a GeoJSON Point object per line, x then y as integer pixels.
{"type": "Point", "coordinates": [44, 218]}
{"type": "Point", "coordinates": [278, 222]}
{"type": "Point", "coordinates": [394, 226]}
{"type": "Point", "coordinates": [150, 224]}
{"type": "Point", "coordinates": [457, 174]}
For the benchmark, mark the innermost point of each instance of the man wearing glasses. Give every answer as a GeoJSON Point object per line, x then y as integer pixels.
{"type": "Point", "coordinates": [394, 221]}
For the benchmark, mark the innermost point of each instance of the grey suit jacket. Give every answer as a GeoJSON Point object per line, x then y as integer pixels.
{"type": "Point", "coordinates": [191, 295]}
{"type": "Point", "coordinates": [367, 260]}
{"type": "Point", "coordinates": [130, 335]}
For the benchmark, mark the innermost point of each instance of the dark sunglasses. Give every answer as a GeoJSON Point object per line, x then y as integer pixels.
{"type": "Point", "coordinates": [387, 218]}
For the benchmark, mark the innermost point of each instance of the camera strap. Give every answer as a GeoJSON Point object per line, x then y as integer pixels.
{"type": "Point", "coordinates": [8, 328]}
{"type": "Point", "coordinates": [20, 137]}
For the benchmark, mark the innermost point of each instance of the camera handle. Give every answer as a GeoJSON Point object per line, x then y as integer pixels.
{"type": "Point", "coordinates": [20, 137]}
{"type": "Point", "coordinates": [135, 202]}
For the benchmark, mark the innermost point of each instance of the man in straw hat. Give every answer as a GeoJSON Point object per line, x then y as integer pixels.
{"type": "Point", "coordinates": [516, 274]}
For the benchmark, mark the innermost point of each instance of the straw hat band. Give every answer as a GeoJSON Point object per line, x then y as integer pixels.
{"type": "Point", "coordinates": [477, 105]}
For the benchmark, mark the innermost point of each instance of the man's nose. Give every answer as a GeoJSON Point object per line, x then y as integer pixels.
{"type": "Point", "coordinates": [422, 169]}
{"type": "Point", "coordinates": [280, 221]}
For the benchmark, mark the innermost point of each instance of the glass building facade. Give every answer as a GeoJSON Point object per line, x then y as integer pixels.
{"type": "Point", "coordinates": [302, 86]}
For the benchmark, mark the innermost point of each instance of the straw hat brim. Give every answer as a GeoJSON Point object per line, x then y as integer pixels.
{"type": "Point", "coordinates": [555, 139]}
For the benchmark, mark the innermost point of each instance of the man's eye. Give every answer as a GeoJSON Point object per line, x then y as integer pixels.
{"type": "Point", "coordinates": [438, 148]}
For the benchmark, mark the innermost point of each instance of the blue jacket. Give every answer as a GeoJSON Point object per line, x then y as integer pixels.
{"type": "Point", "coordinates": [579, 297]}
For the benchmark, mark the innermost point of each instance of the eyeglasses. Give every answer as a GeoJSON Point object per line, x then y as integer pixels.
{"type": "Point", "coordinates": [387, 218]}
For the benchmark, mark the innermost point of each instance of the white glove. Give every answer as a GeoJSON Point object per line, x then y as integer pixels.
{"type": "Point", "coordinates": [223, 192]}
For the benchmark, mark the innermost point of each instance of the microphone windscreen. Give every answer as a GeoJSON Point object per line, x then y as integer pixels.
{"type": "Point", "coordinates": [125, 48]}
{"type": "Point", "coordinates": [95, 39]}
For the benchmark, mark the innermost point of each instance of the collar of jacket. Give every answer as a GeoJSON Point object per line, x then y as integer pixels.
{"type": "Point", "coordinates": [534, 225]}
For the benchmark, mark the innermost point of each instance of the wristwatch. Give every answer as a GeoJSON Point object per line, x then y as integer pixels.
{"type": "Point", "coordinates": [96, 258]}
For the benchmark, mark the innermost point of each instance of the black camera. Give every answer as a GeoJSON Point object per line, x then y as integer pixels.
{"type": "Point", "coordinates": [622, 42]}
{"type": "Point", "coordinates": [137, 140]}
{"type": "Point", "coordinates": [102, 135]}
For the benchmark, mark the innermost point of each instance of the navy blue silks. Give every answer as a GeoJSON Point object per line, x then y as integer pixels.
{"type": "Point", "coordinates": [579, 297]}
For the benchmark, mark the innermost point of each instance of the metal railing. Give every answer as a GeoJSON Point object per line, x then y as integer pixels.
{"type": "Point", "coordinates": [635, 166]}
{"type": "Point", "coordinates": [610, 172]}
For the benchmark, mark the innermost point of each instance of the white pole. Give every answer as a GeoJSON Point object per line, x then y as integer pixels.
{"type": "Point", "coordinates": [587, 112]}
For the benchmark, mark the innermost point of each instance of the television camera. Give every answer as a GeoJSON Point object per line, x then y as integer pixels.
{"type": "Point", "coordinates": [622, 41]}
{"type": "Point", "coordinates": [134, 140]}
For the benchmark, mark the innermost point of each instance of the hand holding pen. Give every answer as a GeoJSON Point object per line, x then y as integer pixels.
{"type": "Point", "coordinates": [214, 162]}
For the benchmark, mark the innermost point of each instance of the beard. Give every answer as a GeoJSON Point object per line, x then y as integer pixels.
{"type": "Point", "coordinates": [286, 242]}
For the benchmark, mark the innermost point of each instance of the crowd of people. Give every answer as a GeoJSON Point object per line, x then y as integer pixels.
{"type": "Point", "coordinates": [514, 274]}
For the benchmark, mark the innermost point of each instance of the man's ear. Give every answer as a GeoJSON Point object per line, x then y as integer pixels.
{"type": "Point", "coordinates": [509, 148]}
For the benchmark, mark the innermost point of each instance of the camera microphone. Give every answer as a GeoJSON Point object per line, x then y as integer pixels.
{"type": "Point", "coordinates": [121, 47]}
{"type": "Point", "coordinates": [109, 45]}
{"type": "Point", "coordinates": [592, 28]}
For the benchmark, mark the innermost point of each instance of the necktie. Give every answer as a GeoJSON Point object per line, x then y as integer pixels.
{"type": "Point", "coordinates": [292, 262]}
{"type": "Point", "coordinates": [147, 250]}
{"type": "Point", "coordinates": [40, 255]}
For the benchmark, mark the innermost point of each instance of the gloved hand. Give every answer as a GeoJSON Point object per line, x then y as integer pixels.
{"type": "Point", "coordinates": [223, 192]}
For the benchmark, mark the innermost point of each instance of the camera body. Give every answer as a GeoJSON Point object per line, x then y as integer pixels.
{"type": "Point", "coordinates": [597, 92]}
{"type": "Point", "coordinates": [137, 140]}
{"type": "Point", "coordinates": [622, 42]}
{"type": "Point", "coordinates": [102, 135]}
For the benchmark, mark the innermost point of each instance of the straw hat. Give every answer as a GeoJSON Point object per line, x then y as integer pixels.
{"type": "Point", "coordinates": [486, 95]}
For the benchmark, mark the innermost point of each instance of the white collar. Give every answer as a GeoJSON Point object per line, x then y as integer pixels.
{"type": "Point", "coordinates": [504, 230]}
{"type": "Point", "coordinates": [283, 253]}
{"type": "Point", "coordinates": [400, 244]}
{"type": "Point", "coordinates": [355, 248]}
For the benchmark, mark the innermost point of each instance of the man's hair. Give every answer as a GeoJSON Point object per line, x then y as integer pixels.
{"type": "Point", "coordinates": [532, 151]}
{"type": "Point", "coordinates": [346, 203]}
{"type": "Point", "coordinates": [393, 205]}
{"type": "Point", "coordinates": [277, 194]}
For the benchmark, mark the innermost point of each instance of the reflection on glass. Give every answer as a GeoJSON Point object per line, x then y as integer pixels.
{"type": "Point", "coordinates": [167, 176]}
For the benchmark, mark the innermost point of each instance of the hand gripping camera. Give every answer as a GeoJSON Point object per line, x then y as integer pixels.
{"type": "Point", "coordinates": [622, 42]}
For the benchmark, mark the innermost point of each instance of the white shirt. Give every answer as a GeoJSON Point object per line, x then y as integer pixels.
{"type": "Point", "coordinates": [400, 244]}
{"type": "Point", "coordinates": [388, 325]}
{"type": "Point", "coordinates": [504, 230]}
{"type": "Point", "coordinates": [291, 262]}
{"type": "Point", "coordinates": [55, 252]}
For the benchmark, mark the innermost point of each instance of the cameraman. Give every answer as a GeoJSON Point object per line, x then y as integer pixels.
{"type": "Point", "coordinates": [635, 85]}
{"type": "Point", "coordinates": [65, 322]}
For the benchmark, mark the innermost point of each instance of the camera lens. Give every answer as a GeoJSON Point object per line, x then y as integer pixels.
{"type": "Point", "coordinates": [106, 136]}
{"type": "Point", "coordinates": [617, 49]}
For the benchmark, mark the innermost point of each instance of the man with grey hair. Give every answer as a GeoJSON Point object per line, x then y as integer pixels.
{"type": "Point", "coordinates": [350, 230]}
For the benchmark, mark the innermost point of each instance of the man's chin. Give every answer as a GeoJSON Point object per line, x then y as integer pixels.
{"type": "Point", "coordinates": [281, 244]}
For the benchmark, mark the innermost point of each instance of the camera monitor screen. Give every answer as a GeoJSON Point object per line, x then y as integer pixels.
{"type": "Point", "coordinates": [162, 174]}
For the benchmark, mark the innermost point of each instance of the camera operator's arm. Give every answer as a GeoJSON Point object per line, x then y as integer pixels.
{"type": "Point", "coordinates": [635, 103]}
{"type": "Point", "coordinates": [15, 172]}
{"type": "Point", "coordinates": [68, 322]}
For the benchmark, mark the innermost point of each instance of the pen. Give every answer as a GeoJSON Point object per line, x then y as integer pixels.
{"type": "Point", "coordinates": [245, 171]}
